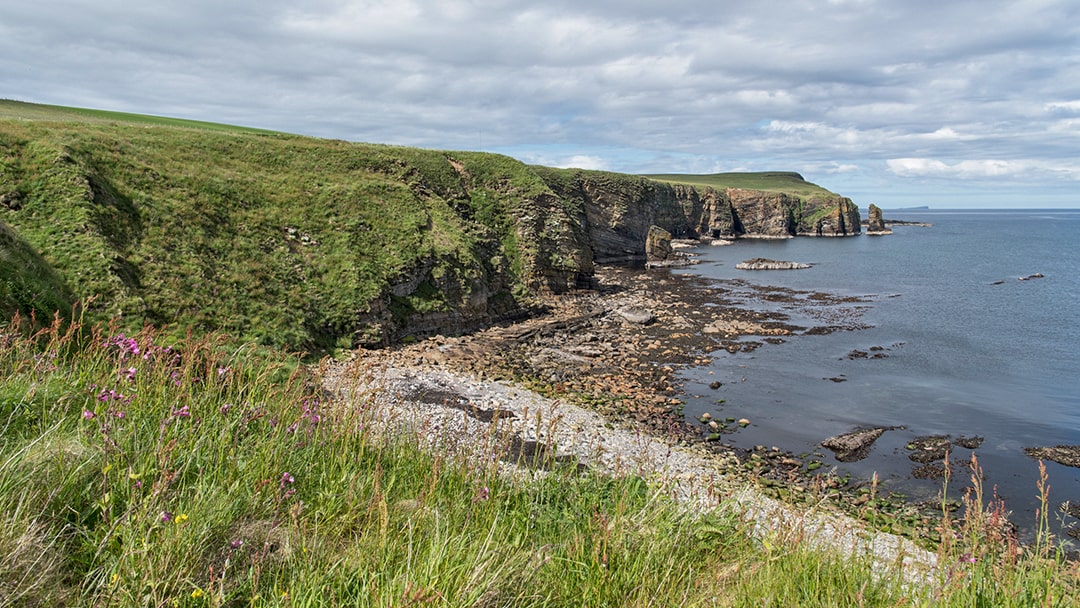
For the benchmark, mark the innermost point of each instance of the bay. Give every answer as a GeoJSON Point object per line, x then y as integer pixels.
{"type": "Point", "coordinates": [965, 348]}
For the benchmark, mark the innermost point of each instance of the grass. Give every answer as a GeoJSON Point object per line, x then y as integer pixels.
{"type": "Point", "coordinates": [767, 181]}
{"type": "Point", "coordinates": [282, 240]}
{"type": "Point", "coordinates": [138, 471]}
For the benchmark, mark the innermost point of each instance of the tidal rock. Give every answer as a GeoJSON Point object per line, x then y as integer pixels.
{"type": "Point", "coordinates": [1068, 455]}
{"type": "Point", "coordinates": [853, 446]}
{"type": "Point", "coordinates": [767, 264]}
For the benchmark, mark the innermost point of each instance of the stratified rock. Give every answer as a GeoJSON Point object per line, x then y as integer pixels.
{"type": "Point", "coordinates": [658, 245]}
{"type": "Point", "coordinates": [876, 223]}
{"type": "Point", "coordinates": [1068, 455]}
{"type": "Point", "coordinates": [766, 264]}
{"type": "Point", "coordinates": [853, 446]}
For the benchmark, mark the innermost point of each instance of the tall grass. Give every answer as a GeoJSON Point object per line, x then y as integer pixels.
{"type": "Point", "coordinates": [140, 472]}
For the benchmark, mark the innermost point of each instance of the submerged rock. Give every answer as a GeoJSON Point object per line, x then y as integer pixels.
{"type": "Point", "coordinates": [767, 264]}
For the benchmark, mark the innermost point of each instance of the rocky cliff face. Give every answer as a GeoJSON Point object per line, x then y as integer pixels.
{"type": "Point", "coordinates": [617, 211]}
{"type": "Point", "coordinates": [333, 244]}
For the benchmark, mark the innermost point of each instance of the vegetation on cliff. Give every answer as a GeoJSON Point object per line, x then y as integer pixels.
{"type": "Point", "coordinates": [316, 244]}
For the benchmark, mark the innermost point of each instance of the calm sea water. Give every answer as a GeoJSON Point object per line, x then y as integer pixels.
{"type": "Point", "coordinates": [964, 357]}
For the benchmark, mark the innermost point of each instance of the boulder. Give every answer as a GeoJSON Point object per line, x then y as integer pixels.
{"type": "Point", "coordinates": [658, 245]}
{"type": "Point", "coordinates": [853, 446]}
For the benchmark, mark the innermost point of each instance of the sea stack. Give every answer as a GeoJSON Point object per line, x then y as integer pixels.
{"type": "Point", "coordinates": [876, 223]}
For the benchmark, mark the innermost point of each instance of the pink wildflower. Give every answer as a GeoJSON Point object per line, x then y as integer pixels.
{"type": "Point", "coordinates": [88, 415]}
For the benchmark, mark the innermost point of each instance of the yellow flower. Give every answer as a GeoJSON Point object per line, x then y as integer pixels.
{"type": "Point", "coordinates": [115, 577]}
{"type": "Point", "coordinates": [181, 518]}
{"type": "Point", "coordinates": [197, 593]}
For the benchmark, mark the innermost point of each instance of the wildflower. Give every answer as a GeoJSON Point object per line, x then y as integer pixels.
{"type": "Point", "coordinates": [119, 413]}
{"type": "Point", "coordinates": [287, 479]}
{"type": "Point", "coordinates": [88, 415]}
{"type": "Point", "coordinates": [236, 543]}
{"type": "Point", "coordinates": [129, 373]}
{"type": "Point", "coordinates": [968, 558]}
{"type": "Point", "coordinates": [482, 494]}
{"type": "Point", "coordinates": [221, 371]}
{"type": "Point", "coordinates": [181, 518]}
{"type": "Point", "coordinates": [197, 593]}
{"type": "Point", "coordinates": [183, 412]}
{"type": "Point", "coordinates": [166, 517]}
{"type": "Point", "coordinates": [225, 408]}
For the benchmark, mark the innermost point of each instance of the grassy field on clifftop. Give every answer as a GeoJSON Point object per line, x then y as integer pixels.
{"type": "Point", "coordinates": [766, 181]}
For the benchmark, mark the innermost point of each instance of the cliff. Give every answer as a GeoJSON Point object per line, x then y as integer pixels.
{"type": "Point", "coordinates": [618, 209]}
{"type": "Point", "coordinates": [318, 244]}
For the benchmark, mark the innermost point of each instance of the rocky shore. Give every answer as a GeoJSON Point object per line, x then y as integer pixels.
{"type": "Point", "coordinates": [615, 351]}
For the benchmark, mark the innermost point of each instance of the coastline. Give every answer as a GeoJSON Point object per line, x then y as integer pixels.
{"type": "Point", "coordinates": [615, 351]}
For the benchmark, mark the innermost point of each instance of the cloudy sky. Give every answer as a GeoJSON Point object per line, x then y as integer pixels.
{"type": "Point", "coordinates": [948, 103]}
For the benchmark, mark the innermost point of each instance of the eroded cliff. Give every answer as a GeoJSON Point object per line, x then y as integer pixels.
{"type": "Point", "coordinates": [318, 244]}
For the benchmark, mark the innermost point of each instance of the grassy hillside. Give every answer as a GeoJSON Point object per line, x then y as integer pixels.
{"type": "Point", "coordinates": [767, 181]}
{"type": "Point", "coordinates": [284, 240]}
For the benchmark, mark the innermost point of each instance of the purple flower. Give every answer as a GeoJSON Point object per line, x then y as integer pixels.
{"type": "Point", "coordinates": [236, 544]}
{"type": "Point", "coordinates": [183, 412]}
{"type": "Point", "coordinates": [129, 373]}
{"type": "Point", "coordinates": [968, 558]}
{"type": "Point", "coordinates": [482, 494]}
{"type": "Point", "coordinates": [286, 479]}
{"type": "Point", "coordinates": [166, 517]}
{"type": "Point", "coordinates": [221, 371]}
{"type": "Point", "coordinates": [119, 413]}
{"type": "Point", "coordinates": [88, 415]}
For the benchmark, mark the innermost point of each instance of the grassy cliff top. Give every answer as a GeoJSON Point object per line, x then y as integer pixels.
{"type": "Point", "coordinates": [34, 111]}
{"type": "Point", "coordinates": [769, 181]}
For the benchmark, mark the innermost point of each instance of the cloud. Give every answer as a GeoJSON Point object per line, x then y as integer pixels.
{"type": "Point", "coordinates": [979, 169]}
{"type": "Point", "coordinates": [620, 84]}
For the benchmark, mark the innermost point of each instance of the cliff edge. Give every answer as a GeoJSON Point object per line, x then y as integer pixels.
{"type": "Point", "coordinates": [317, 244]}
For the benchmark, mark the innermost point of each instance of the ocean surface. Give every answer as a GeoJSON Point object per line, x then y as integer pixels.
{"type": "Point", "coordinates": [961, 355]}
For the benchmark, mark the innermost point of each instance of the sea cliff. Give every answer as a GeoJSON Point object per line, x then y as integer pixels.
{"type": "Point", "coordinates": [320, 244]}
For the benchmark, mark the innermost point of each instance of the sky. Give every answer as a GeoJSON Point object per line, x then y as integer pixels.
{"type": "Point", "coordinates": [902, 103]}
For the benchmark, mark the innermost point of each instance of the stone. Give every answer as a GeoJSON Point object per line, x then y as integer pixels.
{"type": "Point", "coordinates": [637, 316]}
{"type": "Point", "coordinates": [767, 264]}
{"type": "Point", "coordinates": [853, 446]}
{"type": "Point", "coordinates": [658, 245]}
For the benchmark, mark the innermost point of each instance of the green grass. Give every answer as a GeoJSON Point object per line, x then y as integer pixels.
{"type": "Point", "coordinates": [32, 111]}
{"type": "Point", "coordinates": [767, 181]}
{"type": "Point", "coordinates": [139, 472]}
{"type": "Point", "coordinates": [283, 240]}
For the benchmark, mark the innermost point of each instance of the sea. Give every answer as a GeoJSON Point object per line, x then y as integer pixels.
{"type": "Point", "coordinates": [957, 344]}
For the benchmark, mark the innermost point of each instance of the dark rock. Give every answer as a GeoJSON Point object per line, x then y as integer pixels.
{"type": "Point", "coordinates": [876, 224]}
{"type": "Point", "coordinates": [1068, 455]}
{"type": "Point", "coordinates": [715, 384]}
{"type": "Point", "coordinates": [658, 245]}
{"type": "Point", "coordinates": [853, 446]}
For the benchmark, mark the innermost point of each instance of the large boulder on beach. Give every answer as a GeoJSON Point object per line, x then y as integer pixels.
{"type": "Point", "coordinates": [767, 264]}
{"type": "Point", "coordinates": [658, 245]}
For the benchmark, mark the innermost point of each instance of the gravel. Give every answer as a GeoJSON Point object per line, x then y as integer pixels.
{"type": "Point", "coordinates": [525, 434]}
